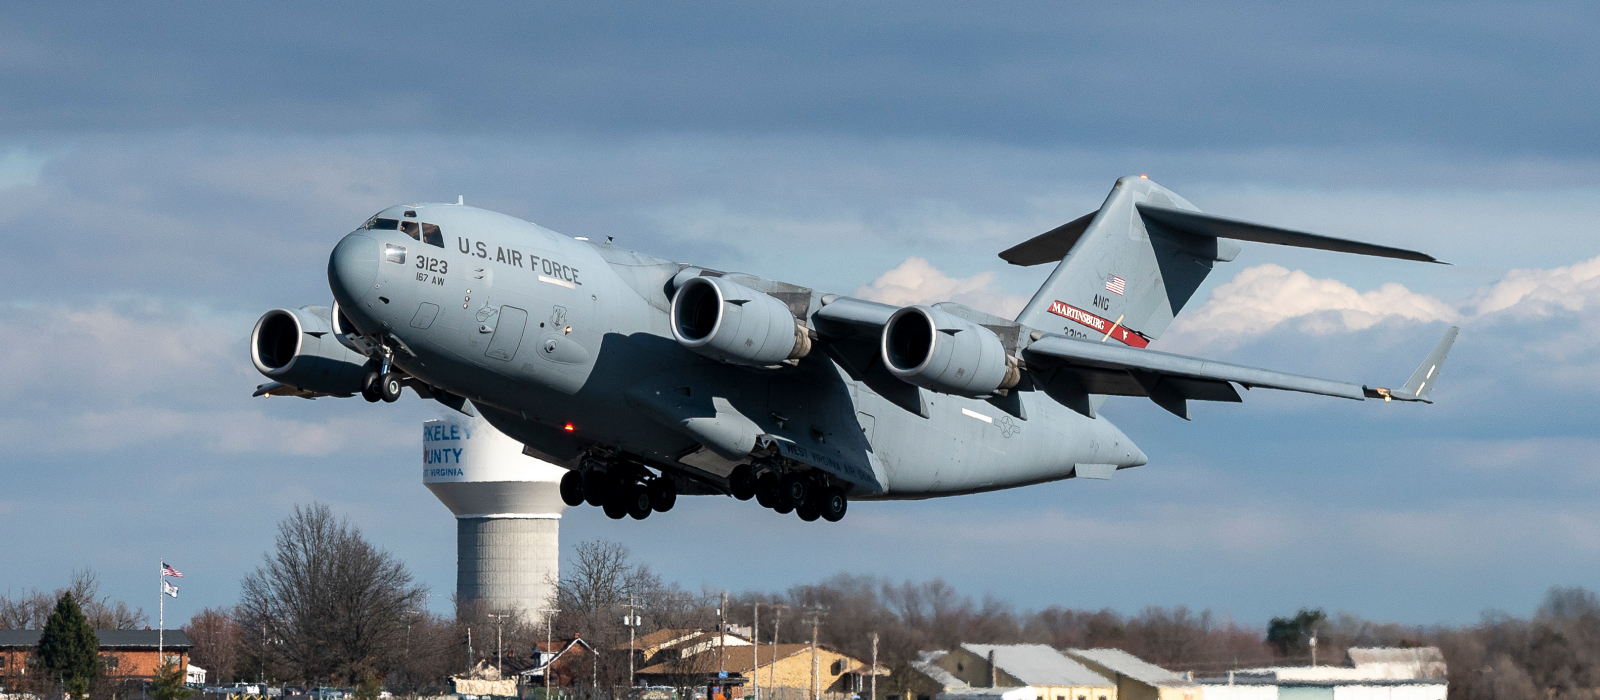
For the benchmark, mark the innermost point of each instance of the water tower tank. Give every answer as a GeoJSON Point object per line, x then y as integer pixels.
{"type": "Point", "coordinates": [508, 513]}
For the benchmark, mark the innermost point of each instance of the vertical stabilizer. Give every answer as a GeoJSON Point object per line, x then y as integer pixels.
{"type": "Point", "coordinates": [1122, 279]}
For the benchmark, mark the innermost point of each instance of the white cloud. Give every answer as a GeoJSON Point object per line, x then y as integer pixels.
{"type": "Point", "coordinates": [916, 281]}
{"type": "Point", "coordinates": [1542, 292]}
{"type": "Point", "coordinates": [1261, 298]}
{"type": "Point", "coordinates": [113, 351]}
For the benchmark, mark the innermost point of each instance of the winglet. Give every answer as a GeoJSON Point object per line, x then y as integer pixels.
{"type": "Point", "coordinates": [1422, 380]}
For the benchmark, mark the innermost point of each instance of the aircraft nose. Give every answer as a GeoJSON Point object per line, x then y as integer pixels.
{"type": "Point", "coordinates": [353, 269]}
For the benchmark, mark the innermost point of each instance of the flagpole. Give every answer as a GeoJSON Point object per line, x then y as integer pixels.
{"type": "Point", "coordinates": [161, 616]}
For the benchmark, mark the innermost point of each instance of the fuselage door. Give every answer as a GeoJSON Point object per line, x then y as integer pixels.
{"type": "Point", "coordinates": [507, 333]}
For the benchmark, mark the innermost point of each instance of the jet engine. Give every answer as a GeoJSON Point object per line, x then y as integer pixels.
{"type": "Point", "coordinates": [936, 350]}
{"type": "Point", "coordinates": [736, 324]}
{"type": "Point", "coordinates": [298, 348]}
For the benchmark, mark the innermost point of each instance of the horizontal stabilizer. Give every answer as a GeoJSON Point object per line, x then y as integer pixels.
{"type": "Point", "coordinates": [1199, 224]}
{"type": "Point", "coordinates": [1050, 246]}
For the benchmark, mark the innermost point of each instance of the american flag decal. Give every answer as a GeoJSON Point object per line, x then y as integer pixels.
{"type": "Point", "coordinates": [1116, 285]}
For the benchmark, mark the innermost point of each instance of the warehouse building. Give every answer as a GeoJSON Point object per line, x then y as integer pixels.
{"type": "Point", "coordinates": [1373, 674]}
{"type": "Point", "coordinates": [1135, 678]}
{"type": "Point", "coordinates": [998, 672]}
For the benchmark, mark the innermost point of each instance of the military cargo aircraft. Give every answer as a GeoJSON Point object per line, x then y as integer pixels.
{"type": "Point", "coordinates": [649, 378]}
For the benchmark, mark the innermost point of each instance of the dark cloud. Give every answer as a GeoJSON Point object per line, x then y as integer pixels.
{"type": "Point", "coordinates": [1480, 78]}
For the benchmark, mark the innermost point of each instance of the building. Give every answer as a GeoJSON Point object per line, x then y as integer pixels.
{"type": "Point", "coordinates": [670, 645]}
{"type": "Point", "coordinates": [1135, 678]}
{"type": "Point", "coordinates": [508, 513]}
{"type": "Point", "coordinates": [1051, 674]}
{"type": "Point", "coordinates": [124, 654]}
{"type": "Point", "coordinates": [1373, 674]}
{"type": "Point", "coordinates": [565, 660]}
{"type": "Point", "coordinates": [785, 669]}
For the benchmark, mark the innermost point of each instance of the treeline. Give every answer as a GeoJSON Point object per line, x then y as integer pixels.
{"type": "Point", "coordinates": [31, 609]}
{"type": "Point", "coordinates": [328, 607]}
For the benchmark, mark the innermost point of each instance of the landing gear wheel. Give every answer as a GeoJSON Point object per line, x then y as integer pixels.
{"type": "Point", "coordinates": [742, 482]}
{"type": "Point", "coordinates": [767, 490]}
{"type": "Point", "coordinates": [663, 494]}
{"type": "Point", "coordinates": [616, 508]}
{"type": "Point", "coordinates": [594, 487]}
{"type": "Point", "coordinates": [369, 388]}
{"type": "Point", "coordinates": [793, 489]}
{"type": "Point", "coordinates": [389, 387]}
{"type": "Point", "coordinates": [572, 488]}
{"type": "Point", "coordinates": [638, 502]}
{"type": "Point", "coordinates": [833, 505]}
{"type": "Point", "coordinates": [783, 509]}
{"type": "Point", "coordinates": [808, 511]}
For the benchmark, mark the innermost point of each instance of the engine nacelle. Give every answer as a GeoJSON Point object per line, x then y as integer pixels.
{"type": "Point", "coordinates": [736, 324]}
{"type": "Point", "coordinates": [299, 348]}
{"type": "Point", "coordinates": [936, 350]}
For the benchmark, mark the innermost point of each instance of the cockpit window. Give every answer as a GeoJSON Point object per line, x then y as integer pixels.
{"type": "Point", "coordinates": [431, 235]}
{"type": "Point", "coordinates": [410, 229]}
{"type": "Point", "coordinates": [378, 224]}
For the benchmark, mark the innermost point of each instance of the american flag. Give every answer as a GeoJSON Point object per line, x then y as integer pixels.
{"type": "Point", "coordinates": [167, 570]}
{"type": "Point", "coordinates": [1116, 285]}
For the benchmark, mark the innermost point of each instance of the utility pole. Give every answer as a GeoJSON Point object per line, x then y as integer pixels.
{"type": "Point", "coordinates": [874, 691]}
{"type": "Point", "coordinates": [722, 632]}
{"type": "Point", "coordinates": [549, 647]}
{"type": "Point", "coordinates": [755, 649]}
{"type": "Point", "coordinates": [499, 650]}
{"type": "Point", "coordinates": [815, 612]}
{"type": "Point", "coordinates": [772, 668]}
{"type": "Point", "coordinates": [632, 621]}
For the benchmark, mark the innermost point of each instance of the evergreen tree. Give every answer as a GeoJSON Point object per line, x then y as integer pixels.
{"type": "Point", "coordinates": [168, 683]}
{"type": "Point", "coordinates": [68, 647]}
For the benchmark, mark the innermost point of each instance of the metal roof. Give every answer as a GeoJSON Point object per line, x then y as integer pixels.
{"type": "Point", "coordinates": [109, 639]}
{"type": "Point", "coordinates": [1037, 664]}
{"type": "Point", "coordinates": [1122, 663]}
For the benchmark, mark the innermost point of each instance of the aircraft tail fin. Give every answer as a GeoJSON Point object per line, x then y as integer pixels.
{"type": "Point", "coordinates": [1128, 268]}
{"type": "Point", "coordinates": [1427, 375]}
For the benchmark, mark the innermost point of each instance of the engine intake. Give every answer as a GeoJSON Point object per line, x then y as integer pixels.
{"type": "Point", "coordinates": [936, 350]}
{"type": "Point", "coordinates": [298, 347]}
{"type": "Point", "coordinates": [733, 323]}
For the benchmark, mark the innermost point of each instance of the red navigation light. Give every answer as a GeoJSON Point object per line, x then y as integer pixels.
{"type": "Point", "coordinates": [568, 427]}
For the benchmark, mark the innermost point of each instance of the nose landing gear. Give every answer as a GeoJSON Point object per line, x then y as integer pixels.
{"type": "Point", "coordinates": [382, 383]}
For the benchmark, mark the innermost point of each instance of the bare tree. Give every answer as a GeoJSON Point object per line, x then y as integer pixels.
{"type": "Point", "coordinates": [328, 605]}
{"type": "Point", "coordinates": [216, 638]}
{"type": "Point", "coordinates": [29, 610]}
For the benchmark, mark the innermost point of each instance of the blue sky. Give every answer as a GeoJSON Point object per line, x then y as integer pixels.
{"type": "Point", "coordinates": [169, 172]}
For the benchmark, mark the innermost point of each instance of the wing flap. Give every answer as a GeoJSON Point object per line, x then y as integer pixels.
{"type": "Point", "coordinates": [1190, 377]}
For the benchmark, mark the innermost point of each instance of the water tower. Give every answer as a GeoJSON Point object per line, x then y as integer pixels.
{"type": "Point", "coordinates": [508, 512]}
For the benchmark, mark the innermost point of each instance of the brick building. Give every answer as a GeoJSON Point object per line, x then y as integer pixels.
{"type": "Point", "coordinates": [124, 654]}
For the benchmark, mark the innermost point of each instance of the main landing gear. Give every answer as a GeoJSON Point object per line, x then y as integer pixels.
{"type": "Point", "coordinates": [622, 489]}
{"type": "Point", "coordinates": [809, 494]}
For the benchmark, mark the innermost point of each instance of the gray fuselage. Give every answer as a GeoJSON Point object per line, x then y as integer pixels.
{"type": "Point", "coordinates": [567, 344]}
